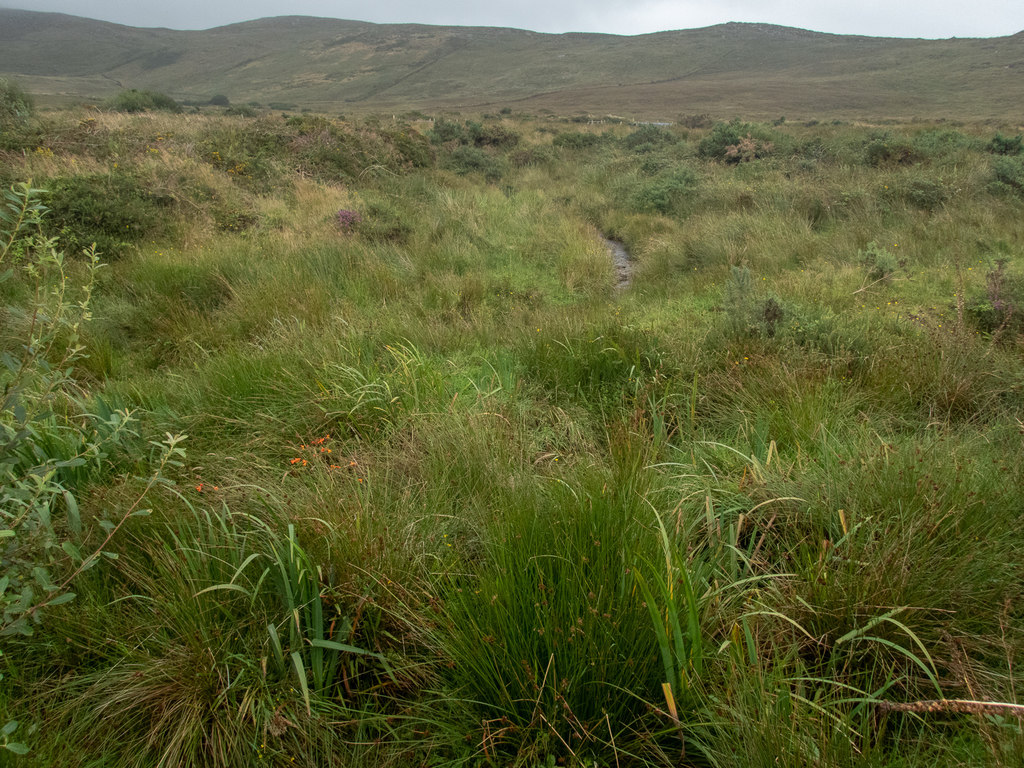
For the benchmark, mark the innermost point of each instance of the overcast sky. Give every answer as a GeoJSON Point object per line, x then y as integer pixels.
{"type": "Point", "coordinates": [889, 18]}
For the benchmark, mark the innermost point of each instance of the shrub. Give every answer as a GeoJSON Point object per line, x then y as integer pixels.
{"type": "Point", "coordinates": [925, 193]}
{"type": "Point", "coordinates": [134, 100]}
{"type": "Point", "coordinates": [1005, 145]}
{"type": "Point", "coordinates": [445, 131]}
{"type": "Point", "coordinates": [219, 100]}
{"type": "Point", "coordinates": [466, 160]}
{"type": "Point", "coordinates": [748, 313]}
{"type": "Point", "coordinates": [576, 140]}
{"type": "Point", "coordinates": [244, 110]}
{"type": "Point", "coordinates": [887, 150]}
{"type": "Point", "coordinates": [1008, 175]}
{"type": "Point", "coordinates": [998, 309]}
{"type": "Point", "coordinates": [111, 210]}
{"type": "Point", "coordinates": [665, 193]}
{"type": "Point", "coordinates": [747, 149]}
{"type": "Point", "coordinates": [15, 105]}
{"type": "Point", "coordinates": [491, 135]}
{"type": "Point", "coordinates": [648, 138]}
{"type": "Point", "coordinates": [879, 260]}
{"type": "Point", "coordinates": [721, 137]}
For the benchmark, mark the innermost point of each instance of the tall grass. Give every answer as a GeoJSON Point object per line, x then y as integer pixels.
{"type": "Point", "coordinates": [453, 499]}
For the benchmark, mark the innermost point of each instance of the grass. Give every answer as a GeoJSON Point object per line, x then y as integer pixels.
{"type": "Point", "coordinates": [453, 498]}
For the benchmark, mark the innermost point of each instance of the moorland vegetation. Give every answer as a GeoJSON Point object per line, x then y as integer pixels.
{"type": "Point", "coordinates": [336, 442]}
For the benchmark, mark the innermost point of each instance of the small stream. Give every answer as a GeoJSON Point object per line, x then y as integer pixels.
{"type": "Point", "coordinates": [621, 261]}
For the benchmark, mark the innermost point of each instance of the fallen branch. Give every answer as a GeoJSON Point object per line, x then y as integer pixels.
{"type": "Point", "coordinates": [955, 705]}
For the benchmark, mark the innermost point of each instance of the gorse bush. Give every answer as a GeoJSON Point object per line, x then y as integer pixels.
{"type": "Point", "coordinates": [665, 193]}
{"type": "Point", "coordinates": [114, 211]}
{"type": "Point", "coordinates": [15, 104]}
{"type": "Point", "coordinates": [1006, 145]}
{"type": "Point", "coordinates": [1008, 175]}
{"type": "Point", "coordinates": [133, 100]}
{"type": "Point", "coordinates": [576, 140]}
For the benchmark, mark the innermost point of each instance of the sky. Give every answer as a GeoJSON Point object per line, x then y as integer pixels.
{"type": "Point", "coordinates": [883, 18]}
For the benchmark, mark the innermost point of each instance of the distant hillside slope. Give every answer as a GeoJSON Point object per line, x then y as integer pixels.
{"type": "Point", "coordinates": [333, 65]}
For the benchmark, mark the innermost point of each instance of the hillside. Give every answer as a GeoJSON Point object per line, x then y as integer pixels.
{"type": "Point", "coordinates": [756, 70]}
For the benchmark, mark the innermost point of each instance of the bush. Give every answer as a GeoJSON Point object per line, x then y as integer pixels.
{"type": "Point", "coordinates": [466, 160]}
{"type": "Point", "coordinates": [665, 193]}
{"type": "Point", "coordinates": [1005, 145]}
{"type": "Point", "coordinates": [1008, 175]}
{"type": "Point", "coordinates": [219, 100]}
{"type": "Point", "coordinates": [15, 105]}
{"type": "Point", "coordinates": [998, 309]}
{"type": "Point", "coordinates": [576, 140]}
{"type": "Point", "coordinates": [134, 100]}
{"type": "Point", "coordinates": [887, 150]}
{"type": "Point", "coordinates": [648, 138]}
{"type": "Point", "coordinates": [112, 210]}
{"type": "Point", "coordinates": [879, 260]}
{"type": "Point", "coordinates": [722, 136]}
{"type": "Point", "coordinates": [491, 135]}
{"type": "Point", "coordinates": [734, 142]}
{"type": "Point", "coordinates": [446, 131]}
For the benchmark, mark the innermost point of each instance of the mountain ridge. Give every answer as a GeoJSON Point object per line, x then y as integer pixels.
{"type": "Point", "coordinates": [754, 69]}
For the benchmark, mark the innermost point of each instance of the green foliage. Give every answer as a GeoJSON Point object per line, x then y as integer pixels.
{"type": "Point", "coordinates": [133, 100]}
{"type": "Point", "coordinates": [113, 210]}
{"type": "Point", "coordinates": [50, 440]}
{"type": "Point", "coordinates": [15, 105]}
{"type": "Point", "coordinates": [649, 138]}
{"type": "Point", "coordinates": [468, 159]}
{"type": "Point", "coordinates": [666, 193]}
{"type": "Point", "coordinates": [1006, 145]}
{"type": "Point", "coordinates": [576, 140]}
{"type": "Point", "coordinates": [880, 261]}
{"type": "Point", "coordinates": [749, 313]}
{"type": "Point", "coordinates": [219, 100]}
{"type": "Point", "coordinates": [734, 142]}
{"type": "Point", "coordinates": [1008, 175]}
{"type": "Point", "coordinates": [999, 310]}
{"type": "Point", "coordinates": [887, 150]}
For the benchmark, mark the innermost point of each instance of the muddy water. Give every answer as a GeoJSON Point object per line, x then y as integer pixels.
{"type": "Point", "coordinates": [621, 261]}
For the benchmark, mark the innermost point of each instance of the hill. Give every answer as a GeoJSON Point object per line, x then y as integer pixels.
{"type": "Point", "coordinates": [757, 70]}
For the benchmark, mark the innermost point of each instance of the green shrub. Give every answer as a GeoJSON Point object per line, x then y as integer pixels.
{"type": "Point", "coordinates": [998, 309]}
{"type": "Point", "coordinates": [735, 142]}
{"type": "Point", "coordinates": [887, 150]}
{"type": "Point", "coordinates": [942, 142]}
{"type": "Point", "coordinates": [446, 131]}
{"type": "Point", "coordinates": [1008, 175]}
{"type": "Point", "coordinates": [219, 100]}
{"type": "Point", "coordinates": [244, 110]}
{"type": "Point", "coordinates": [465, 160]}
{"type": "Point", "coordinates": [880, 261]}
{"type": "Point", "coordinates": [134, 100]}
{"type": "Point", "coordinates": [15, 105]}
{"type": "Point", "coordinates": [665, 193]}
{"type": "Point", "coordinates": [649, 138]}
{"type": "Point", "coordinates": [112, 210]}
{"type": "Point", "coordinates": [1006, 145]}
{"type": "Point", "coordinates": [491, 135]}
{"type": "Point", "coordinates": [576, 140]}
{"type": "Point", "coordinates": [925, 193]}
